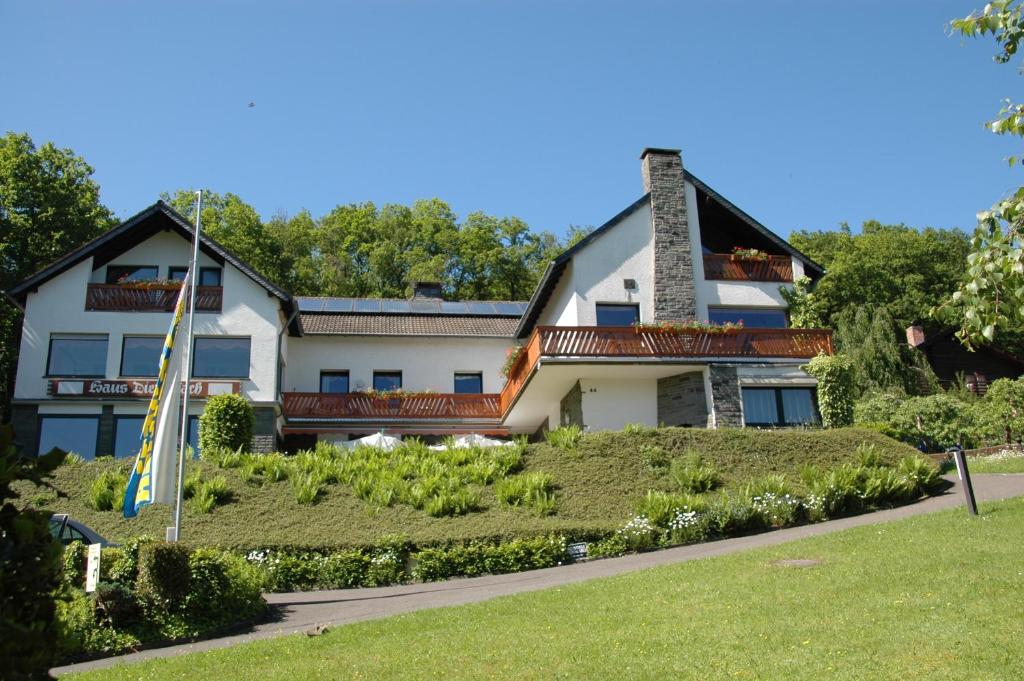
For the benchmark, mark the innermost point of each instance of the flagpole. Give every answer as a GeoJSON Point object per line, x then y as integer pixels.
{"type": "Point", "coordinates": [192, 281]}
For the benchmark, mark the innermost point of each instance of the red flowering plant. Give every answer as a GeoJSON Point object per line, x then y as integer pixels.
{"type": "Point", "coordinates": [744, 253]}
{"type": "Point", "coordinates": [692, 325]}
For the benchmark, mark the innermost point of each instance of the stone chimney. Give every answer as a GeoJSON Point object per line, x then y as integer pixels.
{"type": "Point", "coordinates": [430, 290]}
{"type": "Point", "coordinates": [674, 298]}
{"type": "Point", "coordinates": [915, 335]}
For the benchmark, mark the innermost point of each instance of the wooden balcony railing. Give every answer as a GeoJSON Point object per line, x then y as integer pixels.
{"type": "Point", "coordinates": [718, 266]}
{"type": "Point", "coordinates": [148, 298]}
{"type": "Point", "coordinates": [627, 341]}
{"type": "Point", "coordinates": [357, 406]}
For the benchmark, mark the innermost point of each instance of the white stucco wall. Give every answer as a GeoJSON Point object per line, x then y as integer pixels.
{"type": "Point", "coordinates": [164, 249]}
{"type": "Point", "coordinates": [426, 363]}
{"type": "Point", "coordinates": [609, 404]}
{"type": "Point", "coordinates": [596, 273]}
{"type": "Point", "coordinates": [58, 307]}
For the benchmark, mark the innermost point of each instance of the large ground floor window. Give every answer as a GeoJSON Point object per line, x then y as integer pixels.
{"type": "Point", "coordinates": [78, 434]}
{"type": "Point", "coordinates": [775, 407]}
{"type": "Point", "coordinates": [127, 435]}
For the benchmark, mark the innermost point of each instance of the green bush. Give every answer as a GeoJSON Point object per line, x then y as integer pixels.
{"type": "Point", "coordinates": [836, 388]}
{"type": "Point", "coordinates": [533, 490]}
{"type": "Point", "coordinates": [226, 423]}
{"type": "Point", "coordinates": [107, 491]}
{"type": "Point", "coordinates": [936, 422]}
{"type": "Point", "coordinates": [163, 580]}
{"type": "Point", "coordinates": [655, 457]}
{"type": "Point", "coordinates": [660, 507]}
{"type": "Point", "coordinates": [76, 556]}
{"type": "Point", "coordinates": [877, 407]}
{"type": "Point", "coordinates": [433, 564]}
{"type": "Point", "coordinates": [691, 475]}
{"type": "Point", "coordinates": [116, 604]}
{"type": "Point", "coordinates": [306, 487]}
{"type": "Point", "coordinates": [208, 494]}
{"type": "Point", "coordinates": [224, 589]}
{"type": "Point", "coordinates": [565, 438]}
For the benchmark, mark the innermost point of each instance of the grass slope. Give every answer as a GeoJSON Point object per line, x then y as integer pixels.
{"type": "Point", "coordinates": [932, 597]}
{"type": "Point", "coordinates": [597, 485]}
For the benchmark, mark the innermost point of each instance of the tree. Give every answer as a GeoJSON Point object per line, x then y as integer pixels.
{"type": "Point", "coordinates": [990, 297]}
{"type": "Point", "coordinates": [49, 205]}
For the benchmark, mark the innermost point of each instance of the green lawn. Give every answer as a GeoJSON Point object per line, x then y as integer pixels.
{"type": "Point", "coordinates": [998, 463]}
{"type": "Point", "coordinates": [932, 597]}
{"type": "Point", "coordinates": [597, 485]}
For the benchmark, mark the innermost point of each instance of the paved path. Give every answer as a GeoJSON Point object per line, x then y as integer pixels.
{"type": "Point", "coordinates": [303, 610]}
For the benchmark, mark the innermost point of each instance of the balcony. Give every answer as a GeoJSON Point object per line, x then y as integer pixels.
{"type": "Point", "coordinates": [148, 297]}
{"type": "Point", "coordinates": [607, 342]}
{"type": "Point", "coordinates": [725, 267]}
{"type": "Point", "coordinates": [414, 407]}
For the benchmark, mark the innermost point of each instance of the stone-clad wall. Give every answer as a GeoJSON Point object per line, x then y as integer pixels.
{"type": "Point", "coordinates": [725, 393]}
{"type": "Point", "coordinates": [674, 295]}
{"type": "Point", "coordinates": [572, 407]}
{"type": "Point", "coordinates": [681, 400]}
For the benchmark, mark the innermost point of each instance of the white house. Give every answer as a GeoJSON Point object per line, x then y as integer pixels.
{"type": "Point", "coordinates": [606, 339]}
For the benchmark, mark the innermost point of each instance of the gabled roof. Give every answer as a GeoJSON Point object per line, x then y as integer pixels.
{"type": "Point", "coordinates": [135, 230]}
{"type": "Point", "coordinates": [556, 267]}
{"type": "Point", "coordinates": [324, 324]}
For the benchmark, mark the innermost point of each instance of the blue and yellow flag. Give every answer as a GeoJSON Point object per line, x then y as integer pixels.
{"type": "Point", "coordinates": [152, 478]}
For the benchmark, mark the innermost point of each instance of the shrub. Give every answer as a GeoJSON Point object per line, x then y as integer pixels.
{"type": "Point", "coordinates": [654, 457]}
{"type": "Point", "coordinates": [925, 476]}
{"type": "Point", "coordinates": [689, 474]}
{"type": "Point", "coordinates": [116, 603]}
{"type": "Point", "coordinates": [835, 388]}
{"type": "Point", "coordinates": [935, 422]}
{"type": "Point", "coordinates": [530, 489]}
{"type": "Point", "coordinates": [834, 494]}
{"type": "Point", "coordinates": [224, 589]}
{"type": "Point", "coordinates": [660, 508]}
{"type": "Point", "coordinates": [868, 455]}
{"type": "Point", "coordinates": [226, 422]}
{"type": "Point", "coordinates": [124, 567]}
{"type": "Point", "coordinates": [306, 487]}
{"type": "Point", "coordinates": [107, 491]}
{"type": "Point", "coordinates": [474, 559]}
{"type": "Point", "coordinates": [639, 534]}
{"type": "Point", "coordinates": [730, 516]}
{"type": "Point", "coordinates": [877, 407]}
{"type": "Point", "coordinates": [565, 438]}
{"type": "Point", "coordinates": [164, 578]}
{"type": "Point", "coordinates": [76, 556]}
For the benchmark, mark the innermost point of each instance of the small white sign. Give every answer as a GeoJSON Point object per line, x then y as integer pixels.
{"type": "Point", "coordinates": [92, 568]}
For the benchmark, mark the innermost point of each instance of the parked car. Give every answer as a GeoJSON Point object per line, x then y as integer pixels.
{"type": "Point", "coordinates": [67, 530]}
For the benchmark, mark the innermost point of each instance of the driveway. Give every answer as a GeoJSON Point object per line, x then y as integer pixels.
{"type": "Point", "coordinates": [301, 611]}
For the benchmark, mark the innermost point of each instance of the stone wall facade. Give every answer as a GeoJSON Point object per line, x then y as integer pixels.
{"type": "Point", "coordinates": [726, 398]}
{"type": "Point", "coordinates": [681, 400]}
{"type": "Point", "coordinates": [572, 407]}
{"type": "Point", "coordinates": [25, 422]}
{"type": "Point", "coordinates": [674, 295]}
{"type": "Point", "coordinates": [264, 434]}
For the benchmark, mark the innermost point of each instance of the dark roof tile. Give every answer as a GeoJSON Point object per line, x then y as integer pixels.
{"type": "Point", "coordinates": [407, 325]}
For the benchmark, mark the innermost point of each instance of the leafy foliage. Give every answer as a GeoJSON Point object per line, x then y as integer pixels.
{"type": "Point", "coordinates": [835, 388]}
{"type": "Point", "coordinates": [31, 566]}
{"type": "Point", "coordinates": [226, 423]}
{"type": "Point", "coordinates": [868, 335]}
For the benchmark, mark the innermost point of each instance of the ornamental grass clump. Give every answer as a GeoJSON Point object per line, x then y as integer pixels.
{"type": "Point", "coordinates": [531, 490]}
{"type": "Point", "coordinates": [565, 438]}
{"type": "Point", "coordinates": [107, 491]}
{"type": "Point", "coordinates": [690, 474]}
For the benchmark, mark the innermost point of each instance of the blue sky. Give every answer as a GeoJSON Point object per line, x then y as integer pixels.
{"type": "Point", "coordinates": [805, 114]}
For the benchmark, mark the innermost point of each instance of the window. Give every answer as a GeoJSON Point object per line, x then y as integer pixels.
{"type": "Point", "coordinates": [617, 315]}
{"type": "Point", "coordinates": [127, 435]}
{"type": "Point", "coordinates": [177, 273]}
{"type": "Point", "coordinates": [384, 381]}
{"type": "Point", "coordinates": [334, 381]}
{"type": "Point", "coordinates": [78, 434]}
{"type": "Point", "coordinates": [752, 318]}
{"type": "Point", "coordinates": [221, 358]}
{"type": "Point", "coordinates": [77, 356]}
{"type": "Point", "coordinates": [209, 276]}
{"type": "Point", "coordinates": [779, 407]}
{"type": "Point", "coordinates": [469, 383]}
{"type": "Point", "coordinates": [140, 355]}
{"type": "Point", "coordinates": [193, 435]}
{"type": "Point", "coordinates": [123, 274]}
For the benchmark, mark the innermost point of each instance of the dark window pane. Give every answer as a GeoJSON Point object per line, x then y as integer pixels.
{"type": "Point", "coordinates": [141, 355]}
{"type": "Point", "coordinates": [387, 380]}
{"type": "Point", "coordinates": [209, 276]}
{"type": "Point", "coordinates": [177, 273]}
{"type": "Point", "coordinates": [617, 315]}
{"type": "Point", "coordinates": [469, 383]}
{"type": "Point", "coordinates": [334, 381]}
{"type": "Point", "coordinates": [759, 406]}
{"type": "Point", "coordinates": [72, 434]}
{"type": "Point", "coordinates": [84, 356]}
{"type": "Point", "coordinates": [127, 436]}
{"type": "Point", "coordinates": [221, 358]}
{"type": "Point", "coordinates": [193, 435]}
{"type": "Point", "coordinates": [751, 318]}
{"type": "Point", "coordinates": [123, 274]}
{"type": "Point", "coordinates": [798, 406]}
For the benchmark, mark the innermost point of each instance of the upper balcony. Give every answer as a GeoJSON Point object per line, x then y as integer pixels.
{"type": "Point", "coordinates": [728, 267]}
{"type": "Point", "coordinates": [148, 297]}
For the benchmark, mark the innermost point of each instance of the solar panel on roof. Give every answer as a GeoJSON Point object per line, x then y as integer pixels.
{"type": "Point", "coordinates": [426, 306]}
{"type": "Point", "coordinates": [395, 306]}
{"type": "Point", "coordinates": [368, 306]}
{"type": "Point", "coordinates": [338, 305]}
{"type": "Point", "coordinates": [480, 308]}
{"type": "Point", "coordinates": [508, 308]}
{"type": "Point", "coordinates": [310, 304]}
{"type": "Point", "coordinates": [453, 307]}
